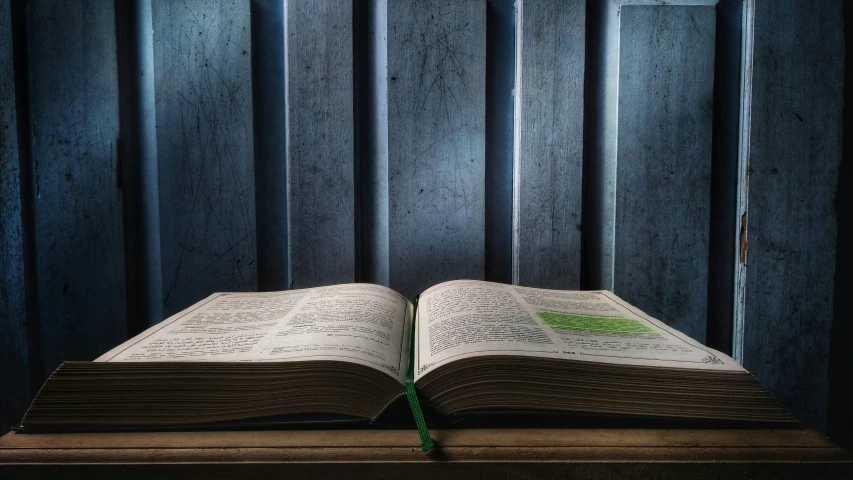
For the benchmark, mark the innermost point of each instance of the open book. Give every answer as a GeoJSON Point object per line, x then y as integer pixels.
{"type": "Point", "coordinates": [349, 351]}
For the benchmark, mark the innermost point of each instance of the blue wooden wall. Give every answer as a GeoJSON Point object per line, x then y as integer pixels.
{"type": "Point", "coordinates": [155, 151]}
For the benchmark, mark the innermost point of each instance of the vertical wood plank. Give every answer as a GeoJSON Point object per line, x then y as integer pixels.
{"type": "Point", "coordinates": [75, 121]}
{"type": "Point", "coordinates": [601, 132]}
{"type": "Point", "coordinates": [732, 86]}
{"type": "Point", "coordinates": [663, 197]}
{"type": "Point", "coordinates": [792, 224]}
{"type": "Point", "coordinates": [839, 412]}
{"type": "Point", "coordinates": [501, 71]}
{"type": "Point", "coordinates": [321, 194]}
{"type": "Point", "coordinates": [14, 364]}
{"type": "Point", "coordinates": [550, 158]}
{"type": "Point", "coordinates": [202, 65]}
{"type": "Point", "coordinates": [270, 127]}
{"type": "Point", "coordinates": [742, 198]}
{"type": "Point", "coordinates": [436, 165]}
{"type": "Point", "coordinates": [370, 105]}
{"type": "Point", "coordinates": [140, 175]}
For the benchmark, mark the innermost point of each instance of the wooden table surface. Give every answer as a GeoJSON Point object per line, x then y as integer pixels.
{"type": "Point", "coordinates": [480, 453]}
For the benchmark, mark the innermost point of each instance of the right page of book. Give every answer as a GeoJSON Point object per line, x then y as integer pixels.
{"type": "Point", "coordinates": [466, 318]}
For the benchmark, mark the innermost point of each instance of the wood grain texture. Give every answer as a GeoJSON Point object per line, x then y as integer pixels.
{"type": "Point", "coordinates": [321, 189]}
{"type": "Point", "coordinates": [79, 234]}
{"type": "Point", "coordinates": [663, 193]}
{"type": "Point", "coordinates": [203, 91]}
{"type": "Point", "coordinates": [448, 438]}
{"type": "Point", "coordinates": [601, 139]}
{"type": "Point", "coordinates": [14, 362]}
{"type": "Point", "coordinates": [270, 147]}
{"type": "Point", "coordinates": [666, 2]}
{"type": "Point", "coordinates": [436, 142]}
{"type": "Point", "coordinates": [550, 158]}
{"type": "Point", "coordinates": [417, 470]}
{"type": "Point", "coordinates": [792, 225]}
{"type": "Point", "coordinates": [140, 177]}
{"type": "Point", "coordinates": [501, 72]}
{"type": "Point", "coordinates": [370, 132]}
{"type": "Point", "coordinates": [463, 453]}
{"type": "Point", "coordinates": [732, 68]}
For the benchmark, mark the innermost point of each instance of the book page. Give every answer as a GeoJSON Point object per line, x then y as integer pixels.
{"type": "Point", "coordinates": [360, 323]}
{"type": "Point", "coordinates": [466, 318]}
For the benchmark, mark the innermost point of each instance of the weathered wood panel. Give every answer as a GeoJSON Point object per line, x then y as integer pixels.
{"type": "Point", "coordinates": [494, 453]}
{"type": "Point", "coordinates": [140, 178]}
{"type": "Point", "coordinates": [663, 190]}
{"type": "Point", "coordinates": [75, 122]}
{"type": "Point", "coordinates": [436, 142]}
{"type": "Point", "coordinates": [203, 89]}
{"type": "Point", "coordinates": [601, 134]}
{"type": "Point", "coordinates": [14, 364]}
{"type": "Point", "coordinates": [550, 160]}
{"type": "Point", "coordinates": [269, 121]}
{"type": "Point", "coordinates": [840, 409]}
{"type": "Point", "coordinates": [732, 92]}
{"type": "Point", "coordinates": [501, 71]}
{"type": "Point", "coordinates": [321, 193]}
{"type": "Point", "coordinates": [792, 230]}
{"type": "Point", "coordinates": [370, 105]}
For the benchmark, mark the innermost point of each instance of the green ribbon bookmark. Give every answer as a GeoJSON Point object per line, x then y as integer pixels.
{"type": "Point", "coordinates": [426, 441]}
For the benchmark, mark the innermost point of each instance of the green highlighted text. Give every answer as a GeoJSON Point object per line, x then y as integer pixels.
{"type": "Point", "coordinates": [601, 325]}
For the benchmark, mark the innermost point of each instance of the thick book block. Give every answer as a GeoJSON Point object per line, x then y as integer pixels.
{"type": "Point", "coordinates": [477, 353]}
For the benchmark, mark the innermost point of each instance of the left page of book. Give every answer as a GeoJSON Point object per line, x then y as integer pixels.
{"type": "Point", "coordinates": [360, 323]}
